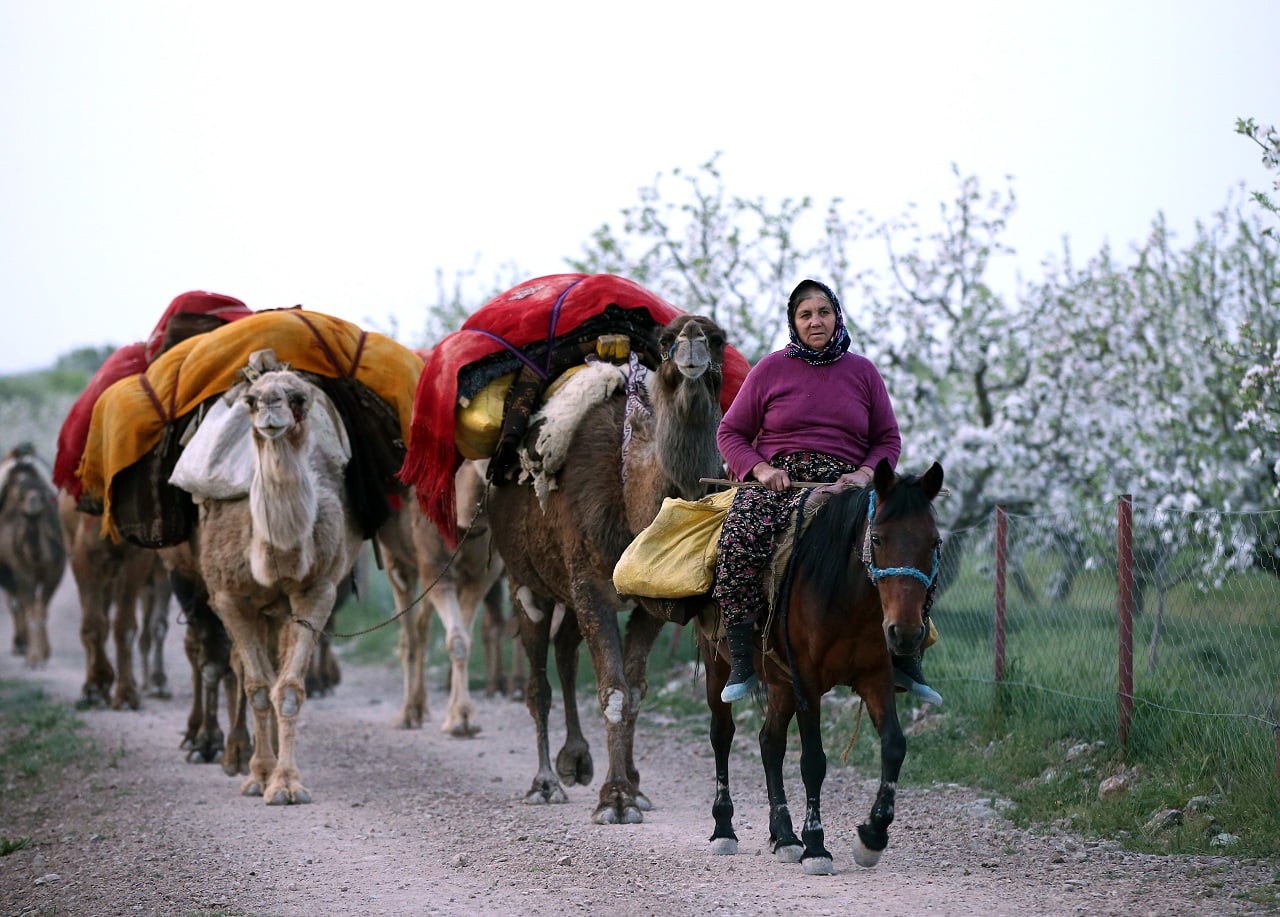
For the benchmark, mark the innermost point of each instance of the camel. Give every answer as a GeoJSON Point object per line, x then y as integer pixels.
{"type": "Point", "coordinates": [112, 578]}
{"type": "Point", "coordinates": [457, 583]}
{"type": "Point", "coordinates": [32, 555]}
{"type": "Point", "coordinates": [603, 494]}
{"type": "Point", "coordinates": [273, 560]}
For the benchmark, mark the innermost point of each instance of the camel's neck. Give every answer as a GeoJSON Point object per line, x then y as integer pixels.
{"type": "Point", "coordinates": [685, 420]}
{"type": "Point", "coordinates": [282, 495]}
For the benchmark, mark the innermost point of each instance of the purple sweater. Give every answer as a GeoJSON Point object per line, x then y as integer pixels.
{"type": "Point", "coordinates": [786, 405]}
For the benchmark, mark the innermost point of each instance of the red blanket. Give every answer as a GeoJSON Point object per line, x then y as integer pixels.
{"type": "Point", "coordinates": [129, 360]}
{"type": "Point", "coordinates": [532, 312]}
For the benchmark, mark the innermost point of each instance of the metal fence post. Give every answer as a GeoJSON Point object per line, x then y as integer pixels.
{"type": "Point", "coordinates": [1124, 568]}
{"type": "Point", "coordinates": [1002, 529]}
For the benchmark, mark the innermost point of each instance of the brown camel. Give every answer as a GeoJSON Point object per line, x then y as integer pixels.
{"type": "Point", "coordinates": [273, 561]}
{"type": "Point", "coordinates": [457, 582]}
{"type": "Point", "coordinates": [111, 578]}
{"type": "Point", "coordinates": [605, 492]}
{"type": "Point", "coordinates": [32, 555]}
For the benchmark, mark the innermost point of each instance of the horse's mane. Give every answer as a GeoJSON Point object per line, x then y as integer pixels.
{"type": "Point", "coordinates": [834, 536]}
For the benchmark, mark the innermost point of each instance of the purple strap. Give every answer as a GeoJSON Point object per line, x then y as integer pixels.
{"type": "Point", "coordinates": [544, 371]}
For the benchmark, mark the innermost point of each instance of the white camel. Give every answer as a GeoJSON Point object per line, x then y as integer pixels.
{"type": "Point", "coordinates": [272, 563]}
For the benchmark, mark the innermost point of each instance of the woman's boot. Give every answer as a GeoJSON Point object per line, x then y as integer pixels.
{"type": "Point", "coordinates": [909, 676]}
{"type": "Point", "coordinates": [742, 674]}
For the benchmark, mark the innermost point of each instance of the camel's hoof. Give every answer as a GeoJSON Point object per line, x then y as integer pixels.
{"type": "Point", "coordinates": [788, 854]}
{"type": "Point", "coordinates": [286, 797]}
{"type": "Point", "coordinates": [608, 815]}
{"type": "Point", "coordinates": [461, 730]}
{"type": "Point", "coordinates": [251, 787]}
{"type": "Point", "coordinates": [160, 694]}
{"type": "Point", "coordinates": [724, 846]}
{"type": "Point", "coordinates": [405, 722]}
{"type": "Point", "coordinates": [537, 797]}
{"type": "Point", "coordinates": [643, 803]}
{"type": "Point", "coordinates": [818, 866]}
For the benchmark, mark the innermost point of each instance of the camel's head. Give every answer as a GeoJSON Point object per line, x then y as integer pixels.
{"type": "Point", "coordinates": [694, 344]}
{"type": "Point", "coordinates": [25, 491]}
{"type": "Point", "coordinates": [278, 401]}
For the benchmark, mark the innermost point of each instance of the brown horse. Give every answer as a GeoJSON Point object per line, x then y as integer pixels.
{"type": "Point", "coordinates": [859, 587]}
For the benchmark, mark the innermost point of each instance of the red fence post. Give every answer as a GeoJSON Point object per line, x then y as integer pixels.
{"type": "Point", "coordinates": [1124, 567]}
{"type": "Point", "coordinates": [1002, 530]}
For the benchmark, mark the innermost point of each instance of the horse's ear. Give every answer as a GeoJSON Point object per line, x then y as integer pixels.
{"type": "Point", "coordinates": [931, 481]}
{"type": "Point", "coordinates": [884, 478]}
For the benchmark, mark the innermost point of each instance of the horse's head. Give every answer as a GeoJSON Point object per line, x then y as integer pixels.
{"type": "Point", "coordinates": [278, 402]}
{"type": "Point", "coordinates": [693, 344]}
{"type": "Point", "coordinates": [901, 548]}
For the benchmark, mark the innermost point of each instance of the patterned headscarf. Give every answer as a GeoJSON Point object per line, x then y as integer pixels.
{"type": "Point", "coordinates": [839, 342]}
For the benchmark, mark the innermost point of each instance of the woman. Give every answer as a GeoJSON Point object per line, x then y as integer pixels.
{"type": "Point", "coordinates": [809, 412]}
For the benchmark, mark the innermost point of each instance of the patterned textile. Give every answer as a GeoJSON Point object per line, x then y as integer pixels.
{"type": "Point", "coordinates": [521, 328]}
{"type": "Point", "coordinates": [755, 521]}
{"type": "Point", "coordinates": [130, 416]}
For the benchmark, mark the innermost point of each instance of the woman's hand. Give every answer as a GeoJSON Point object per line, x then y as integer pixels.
{"type": "Point", "coordinates": [772, 478]}
{"type": "Point", "coordinates": [860, 478]}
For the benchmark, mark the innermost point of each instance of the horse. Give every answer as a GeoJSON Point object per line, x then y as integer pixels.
{"type": "Point", "coordinates": [859, 587]}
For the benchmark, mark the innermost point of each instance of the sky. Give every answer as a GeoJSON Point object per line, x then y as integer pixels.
{"type": "Point", "coordinates": [339, 155]}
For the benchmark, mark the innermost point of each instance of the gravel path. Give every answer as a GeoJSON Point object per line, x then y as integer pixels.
{"type": "Point", "coordinates": [419, 823]}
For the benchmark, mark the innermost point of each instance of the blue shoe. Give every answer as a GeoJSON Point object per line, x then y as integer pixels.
{"type": "Point", "coordinates": [737, 690]}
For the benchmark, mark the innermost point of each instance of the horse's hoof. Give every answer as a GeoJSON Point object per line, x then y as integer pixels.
{"type": "Point", "coordinates": [724, 846]}
{"type": "Point", "coordinates": [818, 866]}
{"type": "Point", "coordinates": [864, 855]}
{"type": "Point", "coordinates": [789, 854]}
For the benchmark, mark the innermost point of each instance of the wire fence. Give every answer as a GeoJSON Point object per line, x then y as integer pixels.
{"type": "Point", "coordinates": [1156, 628]}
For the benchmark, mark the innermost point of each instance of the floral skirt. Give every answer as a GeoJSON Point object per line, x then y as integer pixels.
{"type": "Point", "coordinates": [751, 528]}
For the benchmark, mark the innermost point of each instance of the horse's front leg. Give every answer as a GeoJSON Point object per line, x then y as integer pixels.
{"type": "Point", "coordinates": [642, 631]}
{"type": "Point", "coordinates": [773, 747]}
{"type": "Point", "coordinates": [816, 859]}
{"type": "Point", "coordinates": [535, 634]}
{"type": "Point", "coordinates": [723, 839]}
{"type": "Point", "coordinates": [873, 834]}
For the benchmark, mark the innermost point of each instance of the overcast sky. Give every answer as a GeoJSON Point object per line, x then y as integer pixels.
{"type": "Point", "coordinates": [337, 155]}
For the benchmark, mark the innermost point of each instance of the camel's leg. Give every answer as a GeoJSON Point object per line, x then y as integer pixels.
{"type": "Point", "coordinates": [124, 632]}
{"type": "Point", "coordinates": [249, 646]}
{"type": "Point", "coordinates": [724, 840]}
{"type": "Point", "coordinates": [312, 608]}
{"type": "Point", "coordinates": [415, 636]}
{"type": "Point", "coordinates": [19, 626]}
{"type": "Point", "coordinates": [873, 835]}
{"type": "Point", "coordinates": [458, 608]}
{"type": "Point", "coordinates": [493, 628]}
{"type": "Point", "coordinates": [573, 763]}
{"type": "Point", "coordinates": [36, 613]}
{"type": "Point", "coordinates": [94, 624]}
{"type": "Point", "coordinates": [642, 632]}
{"type": "Point", "coordinates": [239, 746]}
{"type": "Point", "coordinates": [598, 621]}
{"type": "Point", "coordinates": [155, 627]}
{"type": "Point", "coordinates": [773, 748]}
{"type": "Point", "coordinates": [534, 638]}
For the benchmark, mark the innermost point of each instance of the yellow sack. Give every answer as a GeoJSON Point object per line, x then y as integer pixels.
{"type": "Point", "coordinates": [675, 556]}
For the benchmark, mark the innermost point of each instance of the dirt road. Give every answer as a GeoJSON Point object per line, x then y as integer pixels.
{"type": "Point", "coordinates": [419, 823]}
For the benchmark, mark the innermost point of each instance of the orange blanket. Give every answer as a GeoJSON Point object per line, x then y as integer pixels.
{"type": "Point", "coordinates": [129, 417]}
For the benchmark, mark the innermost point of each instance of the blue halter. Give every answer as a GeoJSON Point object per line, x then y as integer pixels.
{"type": "Point", "coordinates": [876, 573]}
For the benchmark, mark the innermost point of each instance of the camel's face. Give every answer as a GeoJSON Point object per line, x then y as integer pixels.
{"type": "Point", "coordinates": [690, 347]}
{"type": "Point", "coordinates": [277, 402]}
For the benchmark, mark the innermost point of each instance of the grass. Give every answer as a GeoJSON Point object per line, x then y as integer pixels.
{"type": "Point", "coordinates": [39, 741]}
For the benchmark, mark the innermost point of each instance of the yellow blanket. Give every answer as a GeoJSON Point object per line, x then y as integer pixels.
{"type": "Point", "coordinates": [129, 417]}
